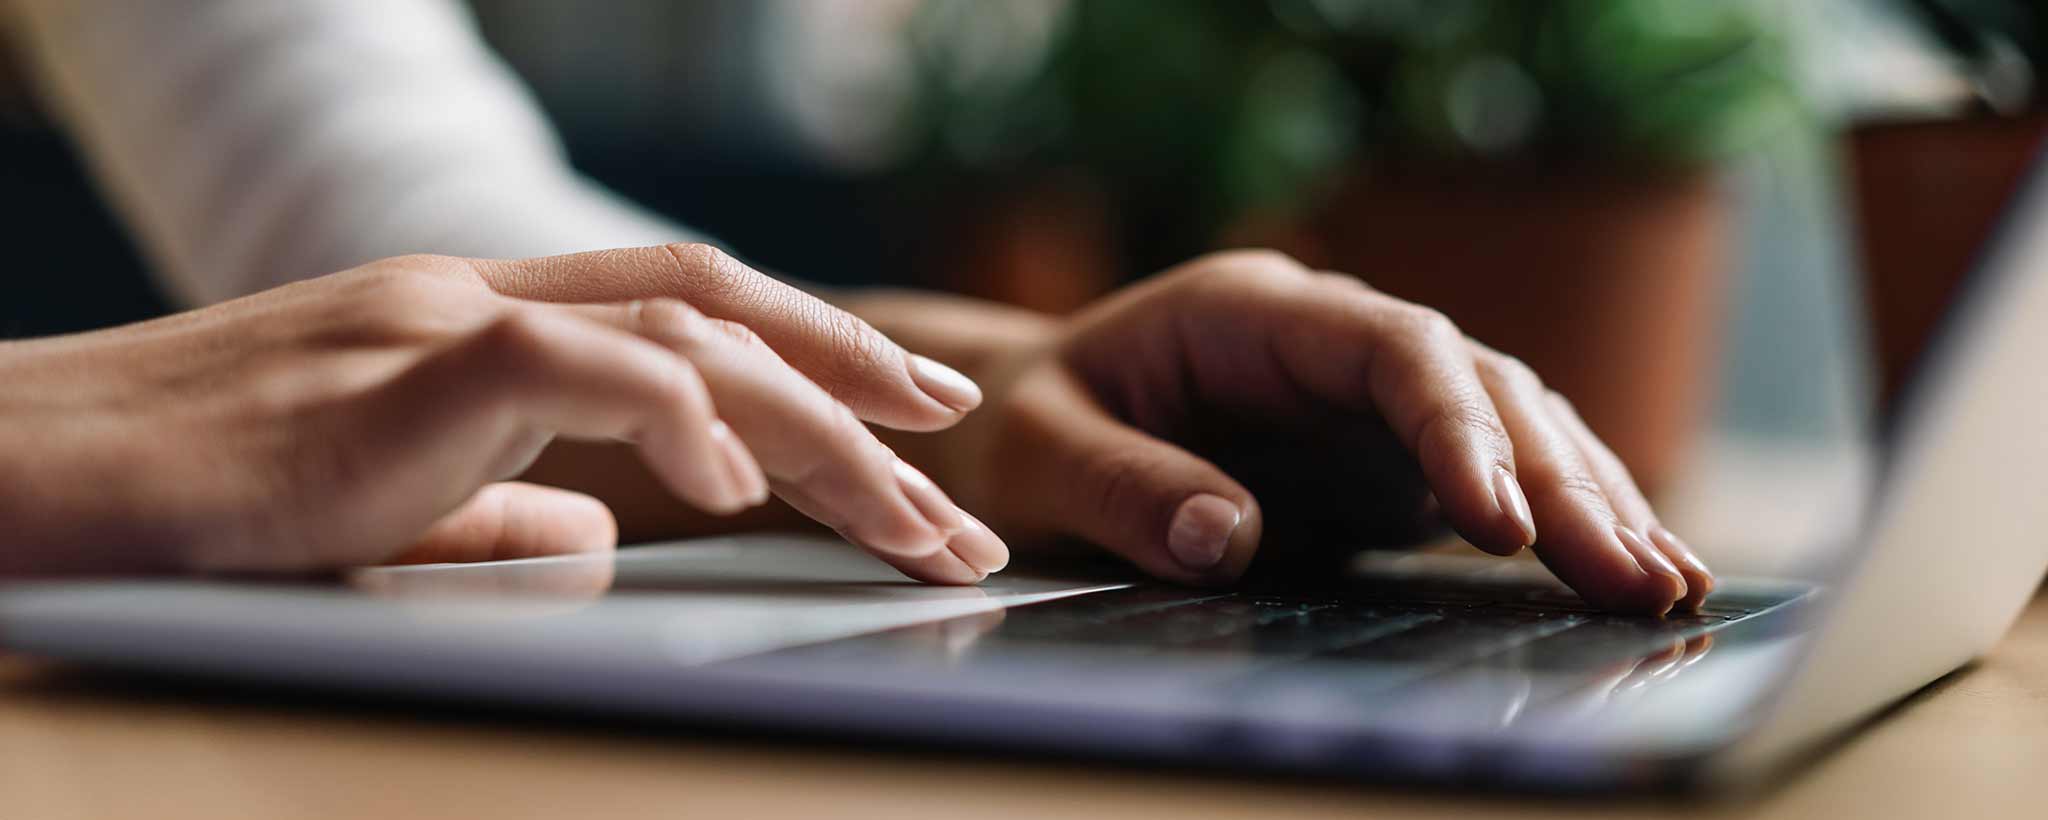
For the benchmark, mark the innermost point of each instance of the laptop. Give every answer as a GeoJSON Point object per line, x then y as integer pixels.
{"type": "Point", "coordinates": [1420, 666]}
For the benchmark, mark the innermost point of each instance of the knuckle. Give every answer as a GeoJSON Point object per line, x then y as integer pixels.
{"type": "Point", "coordinates": [1244, 267]}
{"type": "Point", "coordinates": [1469, 414]}
{"type": "Point", "coordinates": [1429, 325]}
{"type": "Point", "coordinates": [1465, 419]}
{"type": "Point", "coordinates": [666, 320]}
{"type": "Point", "coordinates": [1262, 259]}
{"type": "Point", "coordinates": [846, 447]}
{"type": "Point", "coordinates": [1579, 487]}
{"type": "Point", "coordinates": [706, 270]}
{"type": "Point", "coordinates": [503, 354]}
{"type": "Point", "coordinates": [401, 306]}
{"type": "Point", "coordinates": [515, 332]}
{"type": "Point", "coordinates": [686, 329]}
{"type": "Point", "coordinates": [1565, 479]}
{"type": "Point", "coordinates": [697, 255]}
{"type": "Point", "coordinates": [680, 388]}
{"type": "Point", "coordinates": [732, 332]}
{"type": "Point", "coordinates": [856, 354]}
{"type": "Point", "coordinates": [1560, 404]}
{"type": "Point", "coordinates": [1341, 283]}
{"type": "Point", "coordinates": [671, 322]}
{"type": "Point", "coordinates": [1515, 374]}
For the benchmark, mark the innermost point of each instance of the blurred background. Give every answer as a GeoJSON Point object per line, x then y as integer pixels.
{"type": "Point", "coordinates": [1704, 221]}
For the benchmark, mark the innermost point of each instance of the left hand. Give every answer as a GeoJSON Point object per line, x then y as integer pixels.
{"type": "Point", "coordinates": [369, 416]}
{"type": "Point", "coordinates": [1242, 402]}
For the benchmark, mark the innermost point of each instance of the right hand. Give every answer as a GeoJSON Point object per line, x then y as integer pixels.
{"type": "Point", "coordinates": [372, 415]}
{"type": "Point", "coordinates": [1167, 420]}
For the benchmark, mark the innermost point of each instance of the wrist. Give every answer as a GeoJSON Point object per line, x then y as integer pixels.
{"type": "Point", "coordinates": [989, 342]}
{"type": "Point", "coordinates": [970, 335]}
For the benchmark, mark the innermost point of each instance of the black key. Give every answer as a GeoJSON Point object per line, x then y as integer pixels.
{"type": "Point", "coordinates": [1605, 639]}
{"type": "Point", "coordinates": [1460, 636]}
{"type": "Point", "coordinates": [1084, 615]}
{"type": "Point", "coordinates": [1316, 631]}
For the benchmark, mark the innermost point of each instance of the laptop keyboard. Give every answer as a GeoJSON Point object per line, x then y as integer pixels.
{"type": "Point", "coordinates": [1415, 626]}
{"type": "Point", "coordinates": [1459, 648]}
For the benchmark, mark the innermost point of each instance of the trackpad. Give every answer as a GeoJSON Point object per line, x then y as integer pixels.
{"type": "Point", "coordinates": [711, 599]}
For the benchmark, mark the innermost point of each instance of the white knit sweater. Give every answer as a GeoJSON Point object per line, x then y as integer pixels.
{"type": "Point", "coordinates": [249, 143]}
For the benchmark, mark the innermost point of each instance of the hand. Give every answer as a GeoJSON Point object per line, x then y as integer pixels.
{"type": "Point", "coordinates": [370, 415]}
{"type": "Point", "coordinates": [1242, 399]}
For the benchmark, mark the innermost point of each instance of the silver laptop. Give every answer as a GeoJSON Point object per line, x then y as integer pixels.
{"type": "Point", "coordinates": [1418, 666]}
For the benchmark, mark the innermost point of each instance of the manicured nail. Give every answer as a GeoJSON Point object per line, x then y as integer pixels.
{"type": "Point", "coordinates": [744, 481]}
{"type": "Point", "coordinates": [1699, 580]}
{"type": "Point", "coordinates": [978, 546]}
{"type": "Point", "coordinates": [930, 501]}
{"type": "Point", "coordinates": [1507, 494]}
{"type": "Point", "coordinates": [949, 387]}
{"type": "Point", "coordinates": [1201, 530]}
{"type": "Point", "coordinates": [1652, 561]}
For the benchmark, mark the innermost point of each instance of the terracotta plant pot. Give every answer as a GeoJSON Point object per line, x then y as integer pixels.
{"type": "Point", "coordinates": [1610, 285]}
{"type": "Point", "coordinates": [1927, 196]}
{"type": "Point", "coordinates": [1048, 243]}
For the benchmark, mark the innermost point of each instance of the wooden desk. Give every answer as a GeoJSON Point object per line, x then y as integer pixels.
{"type": "Point", "coordinates": [83, 746]}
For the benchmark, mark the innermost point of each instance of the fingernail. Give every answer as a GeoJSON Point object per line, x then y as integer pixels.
{"type": "Point", "coordinates": [744, 481]}
{"type": "Point", "coordinates": [978, 546]}
{"type": "Point", "coordinates": [1507, 494]}
{"type": "Point", "coordinates": [1699, 579]}
{"type": "Point", "coordinates": [949, 387]}
{"type": "Point", "coordinates": [1651, 560]}
{"type": "Point", "coordinates": [1201, 531]}
{"type": "Point", "coordinates": [930, 501]}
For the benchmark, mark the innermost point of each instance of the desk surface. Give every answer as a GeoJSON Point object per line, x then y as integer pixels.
{"type": "Point", "coordinates": [74, 745]}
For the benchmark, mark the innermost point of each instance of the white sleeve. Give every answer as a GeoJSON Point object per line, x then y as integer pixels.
{"type": "Point", "coordinates": [248, 143]}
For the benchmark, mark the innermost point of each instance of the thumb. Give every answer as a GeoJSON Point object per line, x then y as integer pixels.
{"type": "Point", "coordinates": [506, 520]}
{"type": "Point", "coordinates": [511, 519]}
{"type": "Point", "coordinates": [1168, 511]}
{"type": "Point", "coordinates": [862, 368]}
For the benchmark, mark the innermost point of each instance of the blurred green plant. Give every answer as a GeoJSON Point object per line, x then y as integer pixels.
{"type": "Point", "coordinates": [1220, 107]}
{"type": "Point", "coordinates": [2003, 44]}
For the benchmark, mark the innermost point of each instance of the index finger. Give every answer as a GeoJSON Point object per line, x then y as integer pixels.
{"type": "Point", "coordinates": [858, 365]}
{"type": "Point", "coordinates": [1363, 350]}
